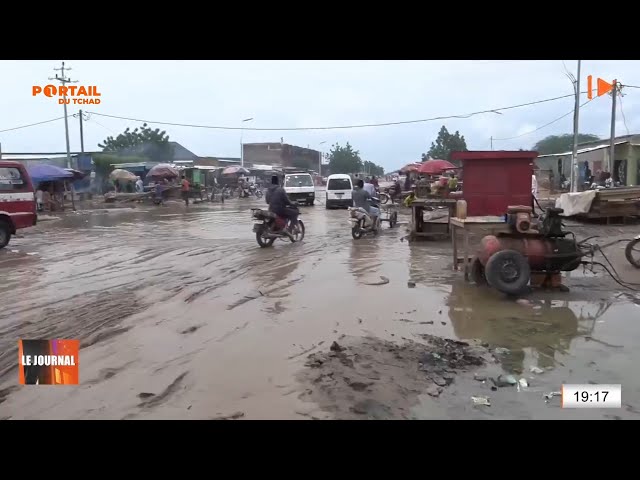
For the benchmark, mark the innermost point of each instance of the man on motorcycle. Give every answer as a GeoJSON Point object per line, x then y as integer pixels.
{"type": "Point", "coordinates": [280, 204]}
{"type": "Point", "coordinates": [362, 199]}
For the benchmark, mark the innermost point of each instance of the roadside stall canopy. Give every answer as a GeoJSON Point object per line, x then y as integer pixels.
{"type": "Point", "coordinates": [436, 167]}
{"type": "Point", "coordinates": [163, 170]}
{"type": "Point", "coordinates": [48, 173]}
{"type": "Point", "coordinates": [235, 171]}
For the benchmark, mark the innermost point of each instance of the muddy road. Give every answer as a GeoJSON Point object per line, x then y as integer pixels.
{"type": "Point", "coordinates": [181, 315]}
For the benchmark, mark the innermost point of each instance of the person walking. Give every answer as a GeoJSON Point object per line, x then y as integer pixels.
{"type": "Point", "coordinates": [185, 190]}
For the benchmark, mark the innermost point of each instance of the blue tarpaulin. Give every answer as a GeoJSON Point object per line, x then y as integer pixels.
{"type": "Point", "coordinates": [48, 173]}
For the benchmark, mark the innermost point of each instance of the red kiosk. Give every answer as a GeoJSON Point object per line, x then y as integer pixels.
{"type": "Point", "coordinates": [492, 181]}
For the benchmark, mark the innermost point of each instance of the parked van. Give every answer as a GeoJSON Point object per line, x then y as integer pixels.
{"type": "Point", "coordinates": [17, 200]}
{"type": "Point", "coordinates": [339, 187]}
{"type": "Point", "coordinates": [300, 188]}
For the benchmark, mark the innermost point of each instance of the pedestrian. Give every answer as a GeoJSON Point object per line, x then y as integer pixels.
{"type": "Point", "coordinates": [40, 198]}
{"type": "Point", "coordinates": [185, 190]}
{"type": "Point", "coordinates": [534, 193]}
{"type": "Point", "coordinates": [139, 185]}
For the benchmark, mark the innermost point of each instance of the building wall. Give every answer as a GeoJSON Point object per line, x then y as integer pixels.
{"type": "Point", "coordinates": [597, 159]}
{"type": "Point", "coordinates": [283, 155]}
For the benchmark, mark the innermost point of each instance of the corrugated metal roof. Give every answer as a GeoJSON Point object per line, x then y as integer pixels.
{"type": "Point", "coordinates": [582, 150]}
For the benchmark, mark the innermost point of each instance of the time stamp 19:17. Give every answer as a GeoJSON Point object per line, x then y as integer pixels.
{"type": "Point", "coordinates": [591, 396]}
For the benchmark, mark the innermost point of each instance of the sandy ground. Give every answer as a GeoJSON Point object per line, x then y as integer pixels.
{"type": "Point", "coordinates": [181, 315]}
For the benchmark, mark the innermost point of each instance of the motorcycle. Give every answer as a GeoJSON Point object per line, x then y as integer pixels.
{"type": "Point", "coordinates": [255, 191]}
{"type": "Point", "coordinates": [269, 227]}
{"type": "Point", "coordinates": [633, 246]}
{"type": "Point", "coordinates": [362, 223]}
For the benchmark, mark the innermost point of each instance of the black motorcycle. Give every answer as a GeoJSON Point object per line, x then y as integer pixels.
{"type": "Point", "coordinates": [268, 227]}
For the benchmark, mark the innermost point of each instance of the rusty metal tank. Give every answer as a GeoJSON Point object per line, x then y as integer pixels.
{"type": "Point", "coordinates": [543, 254]}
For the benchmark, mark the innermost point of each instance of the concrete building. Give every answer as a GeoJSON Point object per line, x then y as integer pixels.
{"type": "Point", "coordinates": [281, 155]}
{"type": "Point", "coordinates": [626, 164]}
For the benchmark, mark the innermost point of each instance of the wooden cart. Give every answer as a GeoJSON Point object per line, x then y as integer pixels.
{"type": "Point", "coordinates": [437, 228]}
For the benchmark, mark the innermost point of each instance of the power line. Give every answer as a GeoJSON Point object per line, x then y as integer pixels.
{"type": "Point", "coordinates": [622, 112]}
{"type": "Point", "coordinates": [31, 125]}
{"type": "Point", "coordinates": [543, 126]}
{"type": "Point", "coordinates": [338, 127]}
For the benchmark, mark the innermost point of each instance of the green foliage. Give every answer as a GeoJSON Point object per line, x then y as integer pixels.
{"type": "Point", "coordinates": [445, 144]}
{"type": "Point", "coordinates": [371, 168]}
{"type": "Point", "coordinates": [561, 143]}
{"type": "Point", "coordinates": [145, 142]}
{"type": "Point", "coordinates": [344, 159]}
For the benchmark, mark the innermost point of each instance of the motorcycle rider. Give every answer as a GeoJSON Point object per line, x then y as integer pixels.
{"type": "Point", "coordinates": [362, 199]}
{"type": "Point", "coordinates": [280, 204]}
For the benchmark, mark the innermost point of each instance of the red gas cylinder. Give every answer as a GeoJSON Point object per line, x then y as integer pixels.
{"type": "Point", "coordinates": [553, 254]}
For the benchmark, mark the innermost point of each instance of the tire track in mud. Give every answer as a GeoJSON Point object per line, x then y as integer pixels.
{"type": "Point", "coordinates": [91, 319]}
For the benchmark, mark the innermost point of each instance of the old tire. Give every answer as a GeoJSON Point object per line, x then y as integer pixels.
{"type": "Point", "coordinates": [633, 246]}
{"type": "Point", "coordinates": [5, 233]}
{"type": "Point", "coordinates": [264, 242]}
{"type": "Point", "coordinates": [508, 272]}
{"type": "Point", "coordinates": [477, 272]}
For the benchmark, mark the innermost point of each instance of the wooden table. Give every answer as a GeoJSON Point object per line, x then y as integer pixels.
{"type": "Point", "coordinates": [492, 224]}
{"type": "Point", "coordinates": [417, 210]}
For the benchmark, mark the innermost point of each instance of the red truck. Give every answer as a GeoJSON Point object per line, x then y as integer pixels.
{"type": "Point", "coordinates": [17, 200]}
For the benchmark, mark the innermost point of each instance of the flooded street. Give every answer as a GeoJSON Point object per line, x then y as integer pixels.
{"type": "Point", "coordinates": [181, 315]}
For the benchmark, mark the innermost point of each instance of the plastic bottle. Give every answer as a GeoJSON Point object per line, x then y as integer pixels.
{"type": "Point", "coordinates": [461, 209]}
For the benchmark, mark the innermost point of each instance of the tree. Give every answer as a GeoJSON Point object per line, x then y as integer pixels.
{"type": "Point", "coordinates": [445, 144]}
{"type": "Point", "coordinates": [373, 169]}
{"type": "Point", "coordinates": [144, 142]}
{"type": "Point", "coordinates": [561, 143]}
{"type": "Point", "coordinates": [344, 159]}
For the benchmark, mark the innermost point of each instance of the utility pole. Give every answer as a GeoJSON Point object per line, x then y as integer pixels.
{"type": "Point", "coordinates": [491, 143]}
{"type": "Point", "coordinates": [241, 142]}
{"type": "Point", "coordinates": [64, 80]}
{"type": "Point", "coordinates": [576, 118]}
{"type": "Point", "coordinates": [81, 134]}
{"type": "Point", "coordinates": [612, 145]}
{"type": "Point", "coordinates": [320, 159]}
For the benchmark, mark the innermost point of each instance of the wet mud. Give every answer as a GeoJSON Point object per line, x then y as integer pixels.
{"type": "Point", "coordinates": [181, 315]}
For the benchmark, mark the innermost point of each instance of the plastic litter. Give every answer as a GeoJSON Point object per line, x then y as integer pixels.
{"type": "Point", "coordinates": [550, 395]}
{"type": "Point", "coordinates": [536, 370]}
{"type": "Point", "coordinates": [481, 401]}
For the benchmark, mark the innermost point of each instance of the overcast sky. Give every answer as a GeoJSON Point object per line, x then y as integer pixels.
{"type": "Point", "coordinates": [287, 94]}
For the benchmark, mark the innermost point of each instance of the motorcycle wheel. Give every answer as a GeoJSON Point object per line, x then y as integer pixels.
{"type": "Point", "coordinates": [384, 198]}
{"type": "Point", "coordinates": [356, 232]}
{"type": "Point", "coordinates": [258, 193]}
{"type": "Point", "coordinates": [633, 246]}
{"type": "Point", "coordinates": [262, 241]}
{"type": "Point", "coordinates": [297, 237]}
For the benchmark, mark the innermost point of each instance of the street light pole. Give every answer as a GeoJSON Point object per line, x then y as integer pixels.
{"type": "Point", "coordinates": [241, 144]}
{"type": "Point", "coordinates": [576, 116]}
{"type": "Point", "coordinates": [320, 160]}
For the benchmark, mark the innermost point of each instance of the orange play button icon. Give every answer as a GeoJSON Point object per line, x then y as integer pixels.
{"type": "Point", "coordinates": [604, 87]}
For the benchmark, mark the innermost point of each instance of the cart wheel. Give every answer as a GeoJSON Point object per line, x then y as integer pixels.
{"type": "Point", "coordinates": [477, 272]}
{"type": "Point", "coordinates": [633, 246]}
{"type": "Point", "coordinates": [508, 271]}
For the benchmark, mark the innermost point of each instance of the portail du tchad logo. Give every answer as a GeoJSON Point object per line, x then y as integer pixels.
{"type": "Point", "coordinates": [48, 362]}
{"type": "Point", "coordinates": [72, 94]}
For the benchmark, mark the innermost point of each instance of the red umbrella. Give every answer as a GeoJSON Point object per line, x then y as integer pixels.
{"type": "Point", "coordinates": [435, 167]}
{"type": "Point", "coordinates": [412, 167]}
{"type": "Point", "coordinates": [163, 170]}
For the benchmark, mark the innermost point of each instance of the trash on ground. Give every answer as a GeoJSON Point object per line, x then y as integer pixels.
{"type": "Point", "coordinates": [481, 401]}
{"type": "Point", "coordinates": [505, 381]}
{"type": "Point", "coordinates": [480, 378]}
{"type": "Point", "coordinates": [550, 395]}
{"type": "Point", "coordinates": [523, 383]}
{"type": "Point", "coordinates": [536, 370]}
{"type": "Point", "coordinates": [335, 347]}
{"type": "Point", "coordinates": [501, 351]}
